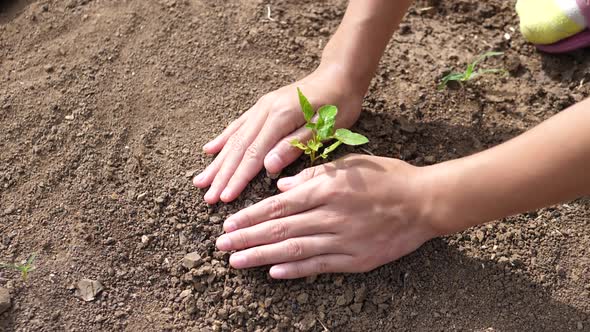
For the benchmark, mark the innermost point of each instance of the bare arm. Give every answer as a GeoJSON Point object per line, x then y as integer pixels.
{"type": "Point", "coordinates": [544, 166]}
{"type": "Point", "coordinates": [361, 38]}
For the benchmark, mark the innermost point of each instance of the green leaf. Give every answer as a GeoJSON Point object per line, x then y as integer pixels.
{"type": "Point", "coordinates": [331, 148]}
{"type": "Point", "coordinates": [315, 146]}
{"type": "Point", "coordinates": [305, 106]}
{"type": "Point", "coordinates": [489, 71]}
{"type": "Point", "coordinates": [349, 138]}
{"type": "Point", "coordinates": [450, 77]}
{"type": "Point", "coordinates": [296, 143]}
{"type": "Point", "coordinates": [483, 57]}
{"type": "Point", "coordinates": [32, 259]}
{"type": "Point", "coordinates": [8, 266]}
{"type": "Point", "coordinates": [310, 125]}
{"type": "Point", "coordinates": [326, 121]}
{"type": "Point", "coordinates": [467, 75]}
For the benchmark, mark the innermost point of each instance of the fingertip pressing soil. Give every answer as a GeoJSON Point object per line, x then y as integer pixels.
{"type": "Point", "coordinates": [104, 106]}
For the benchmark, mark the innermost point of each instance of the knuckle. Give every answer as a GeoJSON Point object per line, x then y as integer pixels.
{"type": "Point", "coordinates": [294, 249]}
{"type": "Point", "coordinates": [299, 270]}
{"type": "Point", "coordinates": [279, 231]}
{"type": "Point", "coordinates": [258, 256]}
{"type": "Point", "coordinates": [321, 266]}
{"type": "Point", "coordinates": [252, 151]}
{"type": "Point", "coordinates": [244, 221]}
{"type": "Point", "coordinates": [277, 208]}
{"type": "Point", "coordinates": [287, 142]}
{"type": "Point", "coordinates": [236, 143]}
{"type": "Point", "coordinates": [267, 99]}
{"type": "Point", "coordinates": [309, 173]}
{"type": "Point", "coordinates": [242, 239]}
{"type": "Point", "coordinates": [280, 112]}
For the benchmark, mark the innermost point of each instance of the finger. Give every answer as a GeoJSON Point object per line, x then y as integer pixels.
{"type": "Point", "coordinates": [205, 178]}
{"type": "Point", "coordinates": [273, 231]}
{"type": "Point", "coordinates": [218, 142]}
{"type": "Point", "coordinates": [283, 153]}
{"type": "Point", "coordinates": [307, 174]}
{"type": "Point", "coordinates": [275, 128]}
{"type": "Point", "coordinates": [279, 206]}
{"type": "Point", "coordinates": [235, 147]}
{"type": "Point", "coordinates": [286, 251]}
{"type": "Point", "coordinates": [330, 263]}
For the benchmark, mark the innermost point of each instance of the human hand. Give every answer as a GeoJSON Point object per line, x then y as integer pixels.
{"type": "Point", "coordinates": [262, 135]}
{"type": "Point", "coordinates": [352, 215]}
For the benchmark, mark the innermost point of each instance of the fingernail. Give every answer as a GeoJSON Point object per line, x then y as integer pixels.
{"type": "Point", "coordinates": [237, 260]}
{"type": "Point", "coordinates": [278, 272]}
{"type": "Point", "coordinates": [198, 178]}
{"type": "Point", "coordinates": [223, 243]}
{"type": "Point", "coordinates": [285, 182]}
{"type": "Point", "coordinates": [274, 162]}
{"type": "Point", "coordinates": [208, 196]}
{"type": "Point", "coordinates": [273, 176]}
{"type": "Point", "coordinates": [230, 226]}
{"type": "Point", "coordinates": [226, 194]}
{"type": "Point", "coordinates": [207, 146]}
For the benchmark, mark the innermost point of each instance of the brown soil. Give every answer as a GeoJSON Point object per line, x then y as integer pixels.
{"type": "Point", "coordinates": [104, 105]}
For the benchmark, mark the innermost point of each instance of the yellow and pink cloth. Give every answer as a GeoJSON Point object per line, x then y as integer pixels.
{"type": "Point", "coordinates": [555, 26]}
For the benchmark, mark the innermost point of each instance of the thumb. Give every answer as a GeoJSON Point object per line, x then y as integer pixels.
{"type": "Point", "coordinates": [284, 153]}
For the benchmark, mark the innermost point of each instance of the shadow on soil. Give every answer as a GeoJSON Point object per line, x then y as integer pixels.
{"type": "Point", "coordinates": [9, 9]}
{"type": "Point", "coordinates": [473, 294]}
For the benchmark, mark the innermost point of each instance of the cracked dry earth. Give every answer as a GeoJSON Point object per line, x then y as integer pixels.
{"type": "Point", "coordinates": [104, 105]}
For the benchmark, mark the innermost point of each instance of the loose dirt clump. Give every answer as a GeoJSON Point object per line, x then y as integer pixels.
{"type": "Point", "coordinates": [104, 106]}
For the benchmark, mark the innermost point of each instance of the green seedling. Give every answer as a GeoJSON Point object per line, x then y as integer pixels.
{"type": "Point", "coordinates": [23, 268]}
{"type": "Point", "coordinates": [322, 128]}
{"type": "Point", "coordinates": [470, 72]}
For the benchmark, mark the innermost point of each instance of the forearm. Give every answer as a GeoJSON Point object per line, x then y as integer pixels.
{"type": "Point", "coordinates": [361, 38]}
{"type": "Point", "coordinates": [546, 165]}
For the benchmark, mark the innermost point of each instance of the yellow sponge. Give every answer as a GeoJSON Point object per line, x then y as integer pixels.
{"type": "Point", "coordinates": [548, 21]}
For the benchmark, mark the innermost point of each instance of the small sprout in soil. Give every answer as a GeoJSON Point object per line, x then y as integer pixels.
{"type": "Point", "coordinates": [323, 130]}
{"type": "Point", "coordinates": [470, 72]}
{"type": "Point", "coordinates": [23, 268]}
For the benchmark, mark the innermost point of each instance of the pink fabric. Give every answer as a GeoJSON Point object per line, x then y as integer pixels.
{"type": "Point", "coordinates": [584, 6]}
{"type": "Point", "coordinates": [576, 41]}
{"type": "Point", "coordinates": [579, 40]}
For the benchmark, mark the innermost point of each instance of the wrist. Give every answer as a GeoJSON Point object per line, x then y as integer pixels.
{"type": "Point", "coordinates": [439, 191]}
{"type": "Point", "coordinates": [348, 80]}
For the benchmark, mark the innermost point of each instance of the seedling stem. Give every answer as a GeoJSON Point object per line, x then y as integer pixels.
{"type": "Point", "coordinates": [322, 128]}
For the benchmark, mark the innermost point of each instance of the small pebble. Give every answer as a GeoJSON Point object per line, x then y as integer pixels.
{"type": "Point", "coordinates": [88, 289]}
{"type": "Point", "coordinates": [430, 159]}
{"type": "Point", "coordinates": [192, 260]}
{"type": "Point", "coordinates": [4, 300]}
{"type": "Point", "coordinates": [303, 298]}
{"type": "Point", "coordinates": [185, 293]}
